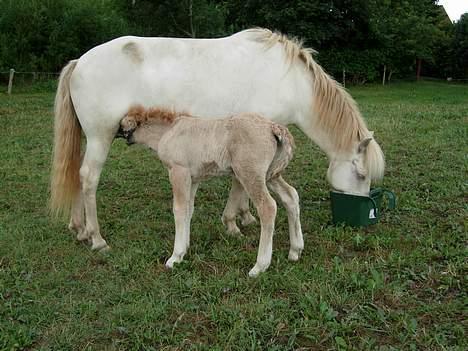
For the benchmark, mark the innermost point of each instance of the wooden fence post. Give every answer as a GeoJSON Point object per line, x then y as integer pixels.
{"type": "Point", "coordinates": [384, 72]}
{"type": "Point", "coordinates": [10, 81]}
{"type": "Point", "coordinates": [344, 78]}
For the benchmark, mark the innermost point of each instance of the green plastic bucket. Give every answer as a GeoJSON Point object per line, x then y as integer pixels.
{"type": "Point", "coordinates": [359, 211]}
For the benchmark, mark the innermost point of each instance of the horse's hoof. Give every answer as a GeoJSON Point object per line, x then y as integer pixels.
{"type": "Point", "coordinates": [100, 246]}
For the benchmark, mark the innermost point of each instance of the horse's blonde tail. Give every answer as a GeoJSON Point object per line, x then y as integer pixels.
{"type": "Point", "coordinates": [65, 178]}
{"type": "Point", "coordinates": [284, 153]}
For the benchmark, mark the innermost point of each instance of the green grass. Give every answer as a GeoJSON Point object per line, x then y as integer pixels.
{"type": "Point", "coordinates": [398, 285]}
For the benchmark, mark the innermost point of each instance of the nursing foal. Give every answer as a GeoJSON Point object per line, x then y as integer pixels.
{"type": "Point", "coordinates": [252, 149]}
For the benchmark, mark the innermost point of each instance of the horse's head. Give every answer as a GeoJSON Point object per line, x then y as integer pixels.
{"type": "Point", "coordinates": [352, 172]}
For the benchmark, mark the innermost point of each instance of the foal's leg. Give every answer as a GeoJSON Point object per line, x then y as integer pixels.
{"type": "Point", "coordinates": [232, 207]}
{"type": "Point", "coordinates": [290, 200]}
{"type": "Point", "coordinates": [238, 203]}
{"type": "Point", "coordinates": [193, 192]}
{"type": "Point", "coordinates": [90, 171]}
{"type": "Point", "coordinates": [181, 189]}
{"type": "Point", "coordinates": [244, 209]}
{"type": "Point", "coordinates": [266, 208]}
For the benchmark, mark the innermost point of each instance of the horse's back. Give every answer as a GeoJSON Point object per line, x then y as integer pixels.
{"type": "Point", "coordinates": [207, 77]}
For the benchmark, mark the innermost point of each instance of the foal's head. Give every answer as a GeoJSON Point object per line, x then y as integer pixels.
{"type": "Point", "coordinates": [127, 126]}
{"type": "Point", "coordinates": [138, 117]}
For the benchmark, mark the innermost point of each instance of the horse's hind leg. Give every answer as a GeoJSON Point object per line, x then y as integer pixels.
{"type": "Point", "coordinates": [290, 199]}
{"type": "Point", "coordinates": [90, 172]}
{"type": "Point", "coordinates": [77, 223]}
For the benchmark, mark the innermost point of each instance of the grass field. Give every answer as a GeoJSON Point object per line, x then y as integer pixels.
{"type": "Point", "coordinates": [398, 285]}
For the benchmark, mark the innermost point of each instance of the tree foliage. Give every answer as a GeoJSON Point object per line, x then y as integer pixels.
{"type": "Point", "coordinates": [43, 35]}
{"type": "Point", "coordinates": [358, 36]}
{"type": "Point", "coordinates": [459, 48]}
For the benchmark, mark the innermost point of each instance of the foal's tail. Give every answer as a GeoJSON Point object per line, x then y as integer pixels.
{"type": "Point", "coordinates": [284, 152]}
{"type": "Point", "coordinates": [65, 178]}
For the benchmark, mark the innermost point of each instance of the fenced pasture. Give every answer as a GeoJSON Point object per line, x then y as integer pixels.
{"type": "Point", "coordinates": [398, 285]}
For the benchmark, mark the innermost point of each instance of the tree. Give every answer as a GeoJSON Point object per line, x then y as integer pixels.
{"type": "Point", "coordinates": [459, 50]}
{"type": "Point", "coordinates": [407, 31]}
{"type": "Point", "coordinates": [186, 18]}
{"type": "Point", "coordinates": [43, 35]}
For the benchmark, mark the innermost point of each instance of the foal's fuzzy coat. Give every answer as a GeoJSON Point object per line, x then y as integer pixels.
{"type": "Point", "coordinates": [251, 148]}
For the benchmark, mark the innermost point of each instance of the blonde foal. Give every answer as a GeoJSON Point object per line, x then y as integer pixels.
{"type": "Point", "coordinates": [251, 149]}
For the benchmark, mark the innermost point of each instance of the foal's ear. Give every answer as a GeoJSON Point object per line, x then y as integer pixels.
{"type": "Point", "coordinates": [364, 144]}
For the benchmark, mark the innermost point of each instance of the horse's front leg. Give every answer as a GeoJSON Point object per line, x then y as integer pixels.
{"type": "Point", "coordinates": [181, 190]}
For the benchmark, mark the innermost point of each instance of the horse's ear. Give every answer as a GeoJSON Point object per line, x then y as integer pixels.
{"type": "Point", "coordinates": [364, 144]}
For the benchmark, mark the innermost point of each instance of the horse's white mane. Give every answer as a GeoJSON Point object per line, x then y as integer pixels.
{"type": "Point", "coordinates": [335, 110]}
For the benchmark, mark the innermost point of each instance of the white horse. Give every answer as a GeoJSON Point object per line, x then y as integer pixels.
{"type": "Point", "coordinates": [251, 71]}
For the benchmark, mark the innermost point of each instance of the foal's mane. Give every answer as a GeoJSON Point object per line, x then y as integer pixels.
{"type": "Point", "coordinates": [143, 115]}
{"type": "Point", "coordinates": [336, 111]}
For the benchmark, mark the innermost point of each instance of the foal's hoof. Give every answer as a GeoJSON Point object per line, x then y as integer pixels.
{"type": "Point", "coordinates": [105, 249]}
{"type": "Point", "coordinates": [234, 231]}
{"type": "Point", "coordinates": [82, 235]}
{"type": "Point", "coordinates": [174, 259]}
{"type": "Point", "coordinates": [247, 219]}
{"type": "Point", "coordinates": [231, 227]}
{"type": "Point", "coordinates": [294, 255]}
{"type": "Point", "coordinates": [256, 270]}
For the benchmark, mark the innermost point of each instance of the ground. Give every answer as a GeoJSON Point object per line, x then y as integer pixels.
{"type": "Point", "coordinates": [400, 284]}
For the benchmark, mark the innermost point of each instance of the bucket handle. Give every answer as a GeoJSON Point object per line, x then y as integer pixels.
{"type": "Point", "coordinates": [391, 198]}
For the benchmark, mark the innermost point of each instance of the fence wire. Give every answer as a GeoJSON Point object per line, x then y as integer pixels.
{"type": "Point", "coordinates": [22, 78]}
